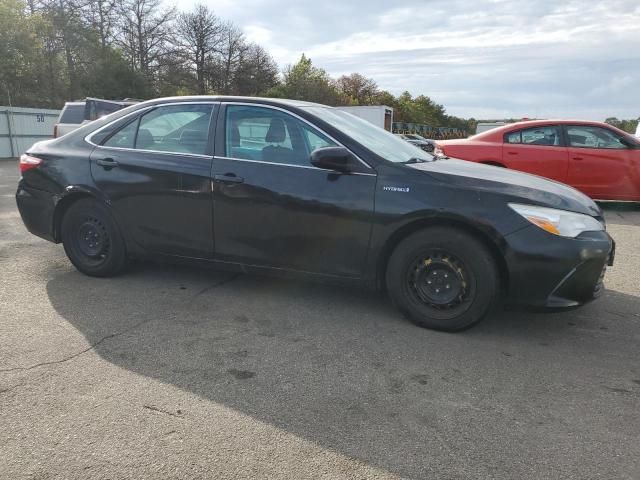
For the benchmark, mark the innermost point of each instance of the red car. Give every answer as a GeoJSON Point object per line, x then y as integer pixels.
{"type": "Point", "coordinates": [596, 158]}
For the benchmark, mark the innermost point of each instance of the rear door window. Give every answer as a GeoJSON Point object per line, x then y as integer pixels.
{"type": "Point", "coordinates": [72, 114]}
{"type": "Point", "coordinates": [548, 136]}
{"type": "Point", "coordinates": [174, 128]}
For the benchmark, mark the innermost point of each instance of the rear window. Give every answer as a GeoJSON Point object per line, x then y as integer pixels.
{"type": "Point", "coordinates": [72, 114]}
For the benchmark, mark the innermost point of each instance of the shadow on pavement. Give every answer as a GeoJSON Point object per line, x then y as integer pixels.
{"type": "Point", "coordinates": [341, 368]}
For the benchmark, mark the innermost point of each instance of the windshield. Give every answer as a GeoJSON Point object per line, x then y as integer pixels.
{"type": "Point", "coordinates": [379, 141]}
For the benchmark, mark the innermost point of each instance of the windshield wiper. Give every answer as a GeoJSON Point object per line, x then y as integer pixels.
{"type": "Point", "coordinates": [418, 160]}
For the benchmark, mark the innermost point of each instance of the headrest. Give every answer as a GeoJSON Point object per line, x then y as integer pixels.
{"type": "Point", "coordinates": [277, 132]}
{"type": "Point", "coordinates": [144, 139]}
{"type": "Point", "coordinates": [193, 136]}
{"type": "Point", "coordinates": [234, 132]}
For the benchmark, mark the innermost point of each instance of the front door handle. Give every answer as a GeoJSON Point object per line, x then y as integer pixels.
{"type": "Point", "coordinates": [228, 178]}
{"type": "Point", "coordinates": [578, 158]}
{"type": "Point", "coordinates": [107, 163]}
{"type": "Point", "coordinates": [512, 153]}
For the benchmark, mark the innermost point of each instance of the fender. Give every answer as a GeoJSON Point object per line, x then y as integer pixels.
{"type": "Point", "coordinates": [72, 193]}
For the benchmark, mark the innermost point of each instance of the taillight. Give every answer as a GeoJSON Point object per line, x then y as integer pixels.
{"type": "Point", "coordinates": [55, 131]}
{"type": "Point", "coordinates": [27, 162]}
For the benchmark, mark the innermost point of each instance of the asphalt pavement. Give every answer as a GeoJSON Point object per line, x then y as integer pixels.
{"type": "Point", "coordinates": [176, 372]}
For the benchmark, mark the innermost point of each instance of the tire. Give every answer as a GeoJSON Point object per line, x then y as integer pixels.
{"type": "Point", "coordinates": [442, 278]}
{"type": "Point", "coordinates": [92, 240]}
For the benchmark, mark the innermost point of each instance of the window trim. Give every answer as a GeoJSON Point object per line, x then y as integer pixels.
{"type": "Point", "coordinates": [293, 114]}
{"type": "Point", "coordinates": [566, 127]}
{"type": "Point", "coordinates": [559, 127]}
{"type": "Point", "coordinates": [143, 111]}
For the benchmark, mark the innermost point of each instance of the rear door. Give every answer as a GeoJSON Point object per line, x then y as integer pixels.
{"type": "Point", "coordinates": [155, 170]}
{"type": "Point", "coordinates": [539, 150]}
{"type": "Point", "coordinates": [601, 165]}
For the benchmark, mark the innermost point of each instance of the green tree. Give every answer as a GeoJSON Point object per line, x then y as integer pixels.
{"type": "Point", "coordinates": [356, 89]}
{"type": "Point", "coordinates": [304, 81]}
{"type": "Point", "coordinates": [20, 53]}
{"type": "Point", "coordinates": [628, 126]}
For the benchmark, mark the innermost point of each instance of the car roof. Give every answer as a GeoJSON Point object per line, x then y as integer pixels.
{"type": "Point", "coordinates": [229, 98]}
{"type": "Point", "coordinates": [501, 130]}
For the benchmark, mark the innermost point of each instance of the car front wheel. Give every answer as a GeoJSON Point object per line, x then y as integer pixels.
{"type": "Point", "coordinates": [92, 240]}
{"type": "Point", "coordinates": [442, 278]}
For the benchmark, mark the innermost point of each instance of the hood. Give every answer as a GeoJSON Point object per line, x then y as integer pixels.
{"type": "Point", "coordinates": [522, 187]}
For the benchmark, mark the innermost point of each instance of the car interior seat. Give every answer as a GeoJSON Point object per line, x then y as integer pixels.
{"type": "Point", "coordinates": [144, 139]}
{"type": "Point", "coordinates": [277, 133]}
{"type": "Point", "coordinates": [194, 141]}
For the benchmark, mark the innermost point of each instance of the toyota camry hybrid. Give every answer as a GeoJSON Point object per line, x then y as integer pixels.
{"type": "Point", "coordinates": [295, 188]}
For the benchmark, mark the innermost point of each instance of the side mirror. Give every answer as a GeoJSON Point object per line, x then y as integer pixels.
{"type": "Point", "coordinates": [331, 158]}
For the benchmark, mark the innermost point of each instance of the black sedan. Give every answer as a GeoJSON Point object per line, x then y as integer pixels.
{"type": "Point", "coordinates": [301, 189]}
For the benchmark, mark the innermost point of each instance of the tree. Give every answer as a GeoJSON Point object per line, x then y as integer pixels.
{"type": "Point", "coordinates": [303, 81]}
{"type": "Point", "coordinates": [628, 126]}
{"type": "Point", "coordinates": [199, 37]}
{"type": "Point", "coordinates": [257, 72]}
{"type": "Point", "coordinates": [101, 16]}
{"type": "Point", "coordinates": [20, 53]}
{"type": "Point", "coordinates": [233, 48]}
{"type": "Point", "coordinates": [145, 35]}
{"type": "Point", "coordinates": [357, 89]}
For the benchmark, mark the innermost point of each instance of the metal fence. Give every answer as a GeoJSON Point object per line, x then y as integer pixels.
{"type": "Point", "coordinates": [22, 127]}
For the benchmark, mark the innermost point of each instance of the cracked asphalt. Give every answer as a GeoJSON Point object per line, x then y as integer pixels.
{"type": "Point", "coordinates": [174, 372]}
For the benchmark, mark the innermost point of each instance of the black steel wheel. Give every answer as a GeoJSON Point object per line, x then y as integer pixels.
{"type": "Point", "coordinates": [442, 278]}
{"type": "Point", "coordinates": [92, 240]}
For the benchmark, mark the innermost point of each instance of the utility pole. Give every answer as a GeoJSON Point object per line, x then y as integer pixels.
{"type": "Point", "coordinates": [9, 122]}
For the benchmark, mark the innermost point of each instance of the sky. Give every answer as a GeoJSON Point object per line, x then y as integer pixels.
{"type": "Point", "coordinates": [479, 58]}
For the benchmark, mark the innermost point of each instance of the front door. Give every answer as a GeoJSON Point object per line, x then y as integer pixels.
{"type": "Point", "coordinates": [600, 165]}
{"type": "Point", "coordinates": [155, 171]}
{"type": "Point", "coordinates": [273, 208]}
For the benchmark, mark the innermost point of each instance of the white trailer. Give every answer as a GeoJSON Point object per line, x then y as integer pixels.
{"type": "Point", "coordinates": [483, 127]}
{"type": "Point", "coordinates": [379, 115]}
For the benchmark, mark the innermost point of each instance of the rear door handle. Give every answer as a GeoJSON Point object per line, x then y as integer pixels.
{"type": "Point", "coordinates": [512, 153]}
{"type": "Point", "coordinates": [578, 158]}
{"type": "Point", "coordinates": [228, 178]}
{"type": "Point", "coordinates": [107, 162]}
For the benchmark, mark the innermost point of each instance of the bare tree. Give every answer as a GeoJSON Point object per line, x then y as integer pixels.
{"type": "Point", "coordinates": [234, 46]}
{"type": "Point", "coordinates": [145, 34]}
{"type": "Point", "coordinates": [199, 36]}
{"type": "Point", "coordinates": [101, 16]}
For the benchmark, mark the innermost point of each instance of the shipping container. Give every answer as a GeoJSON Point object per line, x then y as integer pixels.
{"type": "Point", "coordinates": [22, 127]}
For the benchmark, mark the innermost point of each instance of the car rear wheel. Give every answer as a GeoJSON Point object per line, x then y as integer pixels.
{"type": "Point", "coordinates": [442, 278]}
{"type": "Point", "coordinates": [92, 240]}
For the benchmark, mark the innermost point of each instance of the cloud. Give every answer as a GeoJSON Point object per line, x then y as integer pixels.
{"type": "Point", "coordinates": [482, 58]}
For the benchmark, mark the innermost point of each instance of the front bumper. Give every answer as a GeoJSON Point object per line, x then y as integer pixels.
{"type": "Point", "coordinates": [556, 272]}
{"type": "Point", "coordinates": [36, 208]}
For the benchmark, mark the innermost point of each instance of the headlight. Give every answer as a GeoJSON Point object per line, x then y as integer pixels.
{"type": "Point", "coordinates": [558, 222]}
